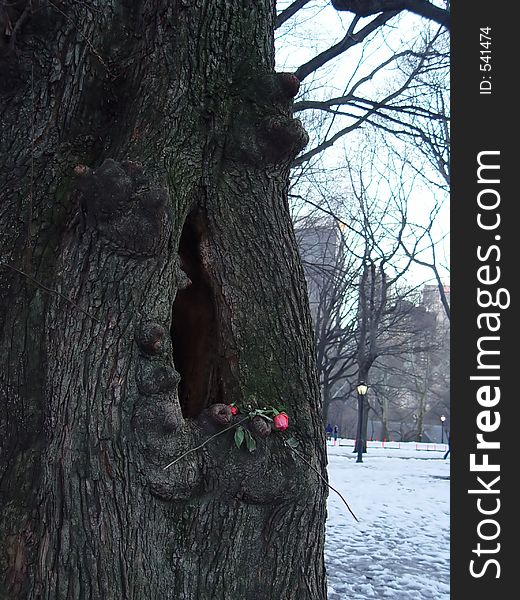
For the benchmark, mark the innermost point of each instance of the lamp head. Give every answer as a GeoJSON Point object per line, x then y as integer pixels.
{"type": "Point", "coordinates": [362, 388]}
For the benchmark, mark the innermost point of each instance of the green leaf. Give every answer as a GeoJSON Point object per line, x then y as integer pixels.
{"type": "Point", "coordinates": [250, 441]}
{"type": "Point", "coordinates": [239, 436]}
{"type": "Point", "coordinates": [292, 442]}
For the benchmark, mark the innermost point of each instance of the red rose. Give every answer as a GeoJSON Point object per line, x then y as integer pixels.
{"type": "Point", "coordinates": [234, 410]}
{"type": "Point", "coordinates": [281, 421]}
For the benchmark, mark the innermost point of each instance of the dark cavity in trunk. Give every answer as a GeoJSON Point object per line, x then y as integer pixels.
{"type": "Point", "coordinates": [195, 325]}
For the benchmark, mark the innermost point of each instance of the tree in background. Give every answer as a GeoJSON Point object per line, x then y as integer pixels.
{"type": "Point", "coordinates": [411, 387]}
{"type": "Point", "coordinates": [331, 273]}
{"type": "Point", "coordinates": [395, 101]}
{"type": "Point", "coordinates": [365, 313]}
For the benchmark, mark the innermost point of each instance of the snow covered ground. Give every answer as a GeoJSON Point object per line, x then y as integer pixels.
{"type": "Point", "coordinates": [401, 546]}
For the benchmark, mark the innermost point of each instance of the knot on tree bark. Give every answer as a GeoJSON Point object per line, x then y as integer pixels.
{"type": "Point", "coordinates": [273, 90]}
{"type": "Point", "coordinates": [215, 417]}
{"type": "Point", "coordinates": [184, 481]}
{"type": "Point", "coordinates": [120, 202]}
{"type": "Point", "coordinates": [153, 378]}
{"type": "Point", "coordinates": [264, 131]}
{"type": "Point", "coordinates": [150, 338]}
{"type": "Point", "coordinates": [288, 83]}
{"type": "Point", "coordinates": [161, 416]}
{"type": "Point", "coordinates": [260, 427]}
{"type": "Point", "coordinates": [282, 139]}
{"type": "Point", "coordinates": [157, 410]}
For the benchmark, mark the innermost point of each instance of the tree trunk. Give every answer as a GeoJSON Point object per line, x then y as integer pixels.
{"type": "Point", "coordinates": [149, 271]}
{"type": "Point", "coordinates": [326, 395]}
{"type": "Point", "coordinates": [420, 416]}
{"type": "Point", "coordinates": [385, 433]}
{"type": "Point", "coordinates": [366, 410]}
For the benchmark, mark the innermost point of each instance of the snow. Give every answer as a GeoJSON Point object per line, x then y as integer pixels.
{"type": "Point", "coordinates": [400, 548]}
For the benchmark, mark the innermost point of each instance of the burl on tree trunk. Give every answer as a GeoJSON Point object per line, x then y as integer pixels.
{"type": "Point", "coordinates": [149, 275]}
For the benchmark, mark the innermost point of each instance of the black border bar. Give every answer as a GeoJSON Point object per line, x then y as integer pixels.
{"type": "Point", "coordinates": [484, 131]}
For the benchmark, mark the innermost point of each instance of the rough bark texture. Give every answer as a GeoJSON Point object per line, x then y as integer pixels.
{"type": "Point", "coordinates": [149, 271]}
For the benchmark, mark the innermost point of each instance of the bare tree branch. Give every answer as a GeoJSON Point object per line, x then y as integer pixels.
{"type": "Point", "coordinates": [365, 8]}
{"type": "Point", "coordinates": [290, 11]}
{"type": "Point", "coordinates": [433, 267]}
{"type": "Point", "coordinates": [350, 40]}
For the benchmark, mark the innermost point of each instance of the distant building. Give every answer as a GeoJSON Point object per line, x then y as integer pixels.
{"type": "Point", "coordinates": [319, 246]}
{"type": "Point", "coordinates": [431, 300]}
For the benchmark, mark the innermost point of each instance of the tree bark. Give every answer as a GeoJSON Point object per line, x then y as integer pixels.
{"type": "Point", "coordinates": [150, 271]}
{"type": "Point", "coordinates": [385, 433]}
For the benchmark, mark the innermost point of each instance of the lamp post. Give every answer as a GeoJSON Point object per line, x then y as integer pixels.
{"type": "Point", "coordinates": [362, 389]}
{"type": "Point", "coordinates": [443, 418]}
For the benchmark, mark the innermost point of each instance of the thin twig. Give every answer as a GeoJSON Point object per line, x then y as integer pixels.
{"type": "Point", "coordinates": [323, 479]}
{"type": "Point", "coordinates": [204, 443]}
{"type": "Point", "coordinates": [47, 289]}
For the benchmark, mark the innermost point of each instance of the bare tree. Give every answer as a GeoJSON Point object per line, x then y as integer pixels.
{"type": "Point", "coordinates": [385, 328]}
{"type": "Point", "coordinates": [412, 386]}
{"type": "Point", "coordinates": [331, 273]}
{"type": "Point", "coordinates": [360, 309]}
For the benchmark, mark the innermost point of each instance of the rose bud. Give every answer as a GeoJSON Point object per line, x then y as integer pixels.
{"type": "Point", "coordinates": [281, 421]}
{"type": "Point", "coordinates": [234, 409]}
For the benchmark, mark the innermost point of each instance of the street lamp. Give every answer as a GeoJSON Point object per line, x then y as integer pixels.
{"type": "Point", "coordinates": [362, 389]}
{"type": "Point", "coordinates": [443, 418]}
